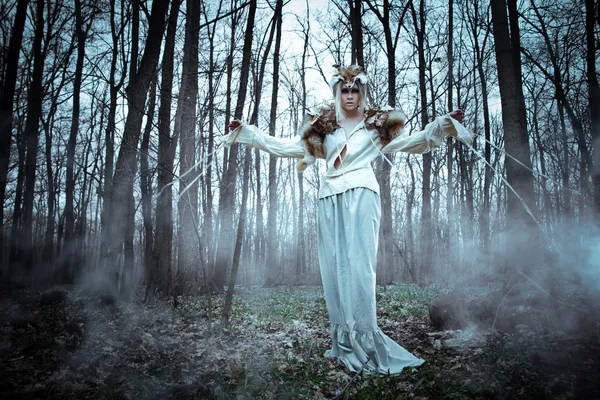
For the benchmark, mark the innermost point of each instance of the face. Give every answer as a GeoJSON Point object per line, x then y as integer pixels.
{"type": "Point", "coordinates": [350, 98]}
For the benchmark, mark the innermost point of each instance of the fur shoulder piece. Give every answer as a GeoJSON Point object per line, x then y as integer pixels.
{"type": "Point", "coordinates": [318, 124]}
{"type": "Point", "coordinates": [322, 122]}
{"type": "Point", "coordinates": [387, 121]}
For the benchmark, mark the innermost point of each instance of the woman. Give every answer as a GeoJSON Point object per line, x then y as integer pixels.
{"type": "Point", "coordinates": [349, 137]}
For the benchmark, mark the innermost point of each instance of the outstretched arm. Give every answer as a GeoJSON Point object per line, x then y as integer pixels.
{"type": "Point", "coordinates": [431, 137]}
{"type": "Point", "coordinates": [252, 136]}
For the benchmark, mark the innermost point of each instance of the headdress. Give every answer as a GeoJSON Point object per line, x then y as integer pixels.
{"type": "Point", "coordinates": [348, 75]}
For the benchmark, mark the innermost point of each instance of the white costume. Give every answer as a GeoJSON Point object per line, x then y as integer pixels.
{"type": "Point", "coordinates": [349, 214]}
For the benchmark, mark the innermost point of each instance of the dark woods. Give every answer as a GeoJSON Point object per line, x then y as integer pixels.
{"type": "Point", "coordinates": [111, 163]}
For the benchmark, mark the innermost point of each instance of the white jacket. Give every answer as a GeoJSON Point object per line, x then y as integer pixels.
{"type": "Point", "coordinates": [363, 145]}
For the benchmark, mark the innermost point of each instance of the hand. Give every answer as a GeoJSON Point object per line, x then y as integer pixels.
{"type": "Point", "coordinates": [458, 115]}
{"type": "Point", "coordinates": [234, 124]}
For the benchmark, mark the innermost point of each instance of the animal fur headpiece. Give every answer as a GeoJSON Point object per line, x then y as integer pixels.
{"type": "Point", "coordinates": [348, 76]}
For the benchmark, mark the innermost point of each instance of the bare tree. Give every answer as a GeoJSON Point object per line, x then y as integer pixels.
{"type": "Point", "coordinates": [426, 223]}
{"type": "Point", "coordinates": [146, 178]}
{"type": "Point", "coordinates": [226, 206]}
{"type": "Point", "coordinates": [384, 15]}
{"type": "Point", "coordinates": [516, 139]}
{"type": "Point", "coordinates": [7, 96]}
{"type": "Point", "coordinates": [246, 176]}
{"type": "Point", "coordinates": [513, 104]}
{"type": "Point", "coordinates": [557, 78]}
{"type": "Point", "coordinates": [260, 240]}
{"type": "Point", "coordinates": [272, 264]}
{"type": "Point", "coordinates": [160, 274]}
{"type": "Point", "coordinates": [81, 33]}
{"type": "Point", "coordinates": [17, 207]}
{"type": "Point", "coordinates": [126, 166]}
{"type": "Point", "coordinates": [301, 256]}
{"type": "Point", "coordinates": [475, 21]}
{"type": "Point", "coordinates": [129, 204]}
{"type": "Point", "coordinates": [117, 34]}
{"type": "Point", "coordinates": [449, 156]}
{"type": "Point", "coordinates": [219, 268]}
{"type": "Point", "coordinates": [187, 206]}
{"type": "Point", "coordinates": [212, 90]}
{"type": "Point", "coordinates": [355, 18]}
{"type": "Point", "coordinates": [34, 112]}
{"type": "Point", "coordinates": [594, 100]}
{"type": "Point", "coordinates": [59, 78]}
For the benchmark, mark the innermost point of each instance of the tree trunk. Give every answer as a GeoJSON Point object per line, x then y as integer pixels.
{"type": "Point", "coordinates": [135, 33]}
{"type": "Point", "coordinates": [410, 247]}
{"type": "Point", "coordinates": [386, 237]}
{"type": "Point", "coordinates": [146, 181]}
{"type": "Point", "coordinates": [128, 243]}
{"type": "Point", "coordinates": [208, 218]}
{"type": "Point", "coordinates": [83, 199]}
{"type": "Point", "coordinates": [71, 145]}
{"type": "Point", "coordinates": [475, 22]}
{"type": "Point", "coordinates": [35, 98]}
{"type": "Point", "coordinates": [426, 267]}
{"type": "Point", "coordinates": [273, 267]}
{"type": "Point", "coordinates": [47, 126]}
{"type": "Point", "coordinates": [547, 204]}
{"type": "Point", "coordinates": [386, 233]}
{"type": "Point", "coordinates": [17, 209]}
{"type": "Point", "coordinates": [188, 202]}
{"type": "Point", "coordinates": [565, 173]}
{"type": "Point", "coordinates": [49, 236]}
{"type": "Point", "coordinates": [516, 139]}
{"type": "Point", "coordinates": [221, 261]}
{"type": "Point", "coordinates": [109, 143]}
{"type": "Point", "coordinates": [227, 202]}
{"type": "Point", "coordinates": [594, 100]}
{"type": "Point", "coordinates": [449, 158]}
{"type": "Point", "coordinates": [160, 276]}
{"type": "Point", "coordinates": [7, 96]}
{"type": "Point", "coordinates": [301, 252]}
{"type": "Point", "coordinates": [125, 169]}
{"type": "Point", "coordinates": [247, 159]}
{"type": "Point", "coordinates": [238, 240]}
{"type": "Point", "coordinates": [356, 31]}
{"type": "Point", "coordinates": [259, 240]}
{"type": "Point", "coordinates": [514, 119]}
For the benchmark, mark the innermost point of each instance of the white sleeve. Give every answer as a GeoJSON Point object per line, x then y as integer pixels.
{"type": "Point", "coordinates": [429, 138]}
{"type": "Point", "coordinates": [252, 136]}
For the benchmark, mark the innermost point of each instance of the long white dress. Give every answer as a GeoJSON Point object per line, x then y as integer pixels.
{"type": "Point", "coordinates": [349, 214]}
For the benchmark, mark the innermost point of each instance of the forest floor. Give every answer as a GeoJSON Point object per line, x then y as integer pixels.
{"type": "Point", "coordinates": [61, 343]}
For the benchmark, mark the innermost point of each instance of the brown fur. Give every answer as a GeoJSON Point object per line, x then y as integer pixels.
{"type": "Point", "coordinates": [349, 73]}
{"type": "Point", "coordinates": [388, 124]}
